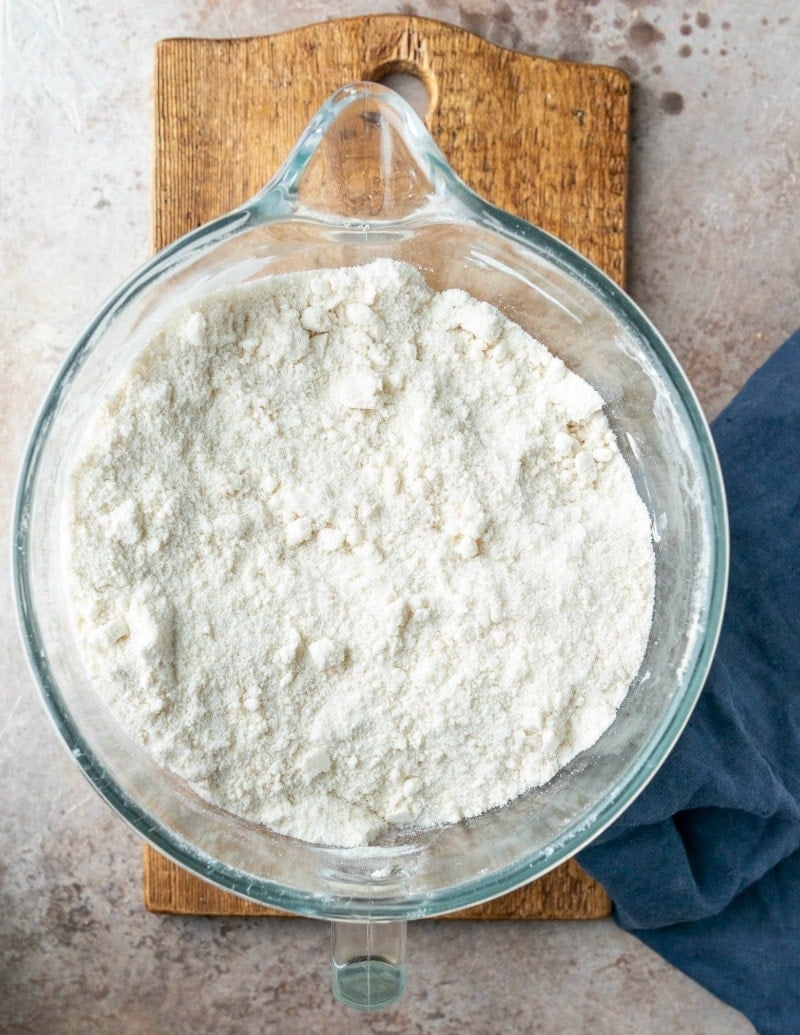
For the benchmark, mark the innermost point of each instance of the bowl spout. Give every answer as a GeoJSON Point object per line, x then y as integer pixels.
{"type": "Point", "coordinates": [365, 157]}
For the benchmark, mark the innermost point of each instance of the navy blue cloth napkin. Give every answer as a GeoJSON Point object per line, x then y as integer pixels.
{"type": "Point", "coordinates": [704, 867]}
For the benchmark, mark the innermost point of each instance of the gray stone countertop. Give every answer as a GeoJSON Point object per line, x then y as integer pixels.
{"type": "Point", "coordinates": [714, 260]}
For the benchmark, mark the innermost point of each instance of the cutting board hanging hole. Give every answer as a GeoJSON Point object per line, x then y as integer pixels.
{"type": "Point", "coordinates": [409, 85]}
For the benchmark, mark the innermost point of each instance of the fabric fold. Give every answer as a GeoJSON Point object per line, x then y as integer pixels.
{"type": "Point", "coordinates": [704, 867]}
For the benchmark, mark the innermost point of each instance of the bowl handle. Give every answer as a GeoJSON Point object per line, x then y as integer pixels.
{"type": "Point", "coordinates": [369, 962]}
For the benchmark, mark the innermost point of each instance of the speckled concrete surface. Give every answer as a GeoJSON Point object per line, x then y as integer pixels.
{"type": "Point", "coordinates": [714, 259]}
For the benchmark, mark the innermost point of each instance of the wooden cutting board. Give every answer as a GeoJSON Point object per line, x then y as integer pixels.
{"type": "Point", "coordinates": [547, 140]}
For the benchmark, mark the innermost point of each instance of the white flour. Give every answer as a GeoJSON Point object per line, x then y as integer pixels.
{"type": "Point", "coordinates": [346, 553]}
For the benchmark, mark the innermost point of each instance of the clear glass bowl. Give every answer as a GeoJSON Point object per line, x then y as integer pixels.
{"type": "Point", "coordinates": [366, 180]}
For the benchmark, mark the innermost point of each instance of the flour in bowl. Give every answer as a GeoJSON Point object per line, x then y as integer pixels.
{"type": "Point", "coordinates": [346, 553]}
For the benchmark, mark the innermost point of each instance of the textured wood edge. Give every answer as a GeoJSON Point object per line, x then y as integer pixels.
{"type": "Point", "coordinates": [199, 173]}
{"type": "Point", "coordinates": [552, 146]}
{"type": "Point", "coordinates": [566, 893]}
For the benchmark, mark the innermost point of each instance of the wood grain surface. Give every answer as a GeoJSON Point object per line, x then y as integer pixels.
{"type": "Point", "coordinates": [546, 140]}
{"type": "Point", "coordinates": [566, 893]}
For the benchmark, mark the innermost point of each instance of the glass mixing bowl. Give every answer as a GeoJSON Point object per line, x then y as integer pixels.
{"type": "Point", "coordinates": [366, 180]}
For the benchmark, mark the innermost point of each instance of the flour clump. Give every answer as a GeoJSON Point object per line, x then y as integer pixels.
{"type": "Point", "coordinates": [346, 553]}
